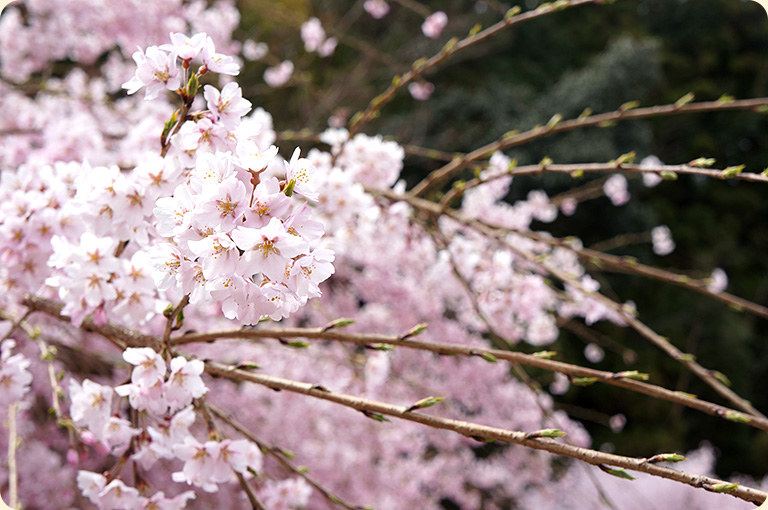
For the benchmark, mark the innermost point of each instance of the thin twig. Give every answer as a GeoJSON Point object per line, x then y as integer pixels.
{"type": "Point", "coordinates": [13, 471]}
{"type": "Point", "coordinates": [513, 139]}
{"type": "Point", "coordinates": [276, 453]}
{"type": "Point", "coordinates": [360, 119]}
{"type": "Point", "coordinates": [484, 433]}
{"type": "Point", "coordinates": [498, 233]}
{"type": "Point", "coordinates": [622, 380]}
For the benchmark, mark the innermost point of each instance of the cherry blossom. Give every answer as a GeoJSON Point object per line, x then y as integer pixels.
{"type": "Point", "coordinates": [434, 24]}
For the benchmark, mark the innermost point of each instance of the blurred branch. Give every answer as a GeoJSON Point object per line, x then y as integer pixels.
{"type": "Point", "coordinates": [279, 456]}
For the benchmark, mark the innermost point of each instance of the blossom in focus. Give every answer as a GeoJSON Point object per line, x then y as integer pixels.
{"type": "Point", "coordinates": [434, 24]}
{"type": "Point", "coordinates": [184, 383]}
{"type": "Point", "coordinates": [298, 177]}
{"type": "Point", "coordinates": [278, 75]}
{"type": "Point", "coordinates": [376, 8]}
{"type": "Point", "coordinates": [186, 48]}
{"type": "Point", "coordinates": [228, 105]}
{"type": "Point", "coordinates": [218, 62]}
{"type": "Point", "coordinates": [149, 365]}
{"type": "Point", "coordinates": [156, 70]}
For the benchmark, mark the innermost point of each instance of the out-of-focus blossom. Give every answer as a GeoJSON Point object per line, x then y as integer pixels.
{"type": "Point", "coordinates": [421, 90]}
{"type": "Point", "coordinates": [278, 75]}
{"type": "Point", "coordinates": [376, 8]}
{"type": "Point", "coordinates": [661, 238]}
{"type": "Point", "coordinates": [434, 24]}
{"type": "Point", "coordinates": [718, 281]}
{"type": "Point", "coordinates": [616, 189]}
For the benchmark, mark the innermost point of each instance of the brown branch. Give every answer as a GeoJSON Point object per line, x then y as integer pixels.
{"type": "Point", "coordinates": [13, 470]}
{"type": "Point", "coordinates": [498, 233]}
{"type": "Point", "coordinates": [420, 67]}
{"type": "Point", "coordinates": [279, 456]}
{"type": "Point", "coordinates": [513, 139]}
{"type": "Point", "coordinates": [452, 349]}
{"type": "Point", "coordinates": [484, 433]}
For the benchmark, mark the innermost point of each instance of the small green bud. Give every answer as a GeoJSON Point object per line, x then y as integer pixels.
{"type": "Point", "coordinates": [339, 323]}
{"type": "Point", "coordinates": [475, 30]}
{"type": "Point", "coordinates": [414, 331]}
{"type": "Point", "coordinates": [452, 42]}
{"type": "Point", "coordinates": [487, 356]}
{"type": "Point", "coordinates": [509, 135]}
{"type": "Point", "coordinates": [585, 114]}
{"type": "Point", "coordinates": [248, 365]}
{"type": "Point", "coordinates": [554, 121]}
{"type": "Point", "coordinates": [630, 105]}
{"type": "Point", "coordinates": [511, 13]}
{"type": "Point", "coordinates": [668, 175]}
{"type": "Point", "coordinates": [722, 487]}
{"type": "Point", "coordinates": [192, 86]}
{"type": "Point", "coordinates": [548, 433]}
{"type": "Point", "coordinates": [577, 174]}
{"type": "Point", "coordinates": [702, 162]}
{"type": "Point", "coordinates": [418, 63]}
{"type": "Point", "coordinates": [667, 457]}
{"type": "Point", "coordinates": [583, 381]}
{"type": "Point", "coordinates": [631, 374]}
{"type": "Point", "coordinates": [425, 402]}
{"type": "Point", "coordinates": [296, 344]}
{"type": "Point", "coordinates": [383, 347]}
{"type": "Point", "coordinates": [725, 98]}
{"type": "Point", "coordinates": [626, 159]}
{"type": "Point", "coordinates": [721, 377]}
{"type": "Point", "coordinates": [546, 161]}
{"type": "Point", "coordinates": [545, 354]}
{"type": "Point", "coordinates": [687, 357]}
{"type": "Point", "coordinates": [688, 98]}
{"type": "Point", "coordinates": [375, 416]}
{"type": "Point", "coordinates": [731, 171]}
{"type": "Point", "coordinates": [168, 311]}
{"type": "Point", "coordinates": [619, 473]}
{"type": "Point", "coordinates": [736, 417]}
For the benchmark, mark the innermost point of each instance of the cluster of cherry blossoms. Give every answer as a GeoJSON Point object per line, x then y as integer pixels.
{"type": "Point", "coordinates": [166, 399]}
{"type": "Point", "coordinates": [206, 221]}
{"type": "Point", "coordinates": [15, 377]}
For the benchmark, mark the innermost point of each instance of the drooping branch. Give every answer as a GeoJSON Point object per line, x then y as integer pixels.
{"type": "Point", "coordinates": [513, 139]}
{"type": "Point", "coordinates": [454, 46]}
{"type": "Point", "coordinates": [663, 343]}
{"type": "Point", "coordinates": [628, 380]}
{"type": "Point", "coordinates": [486, 433]}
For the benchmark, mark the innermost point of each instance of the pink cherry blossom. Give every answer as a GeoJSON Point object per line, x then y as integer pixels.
{"type": "Point", "coordinates": [434, 24]}
{"type": "Point", "coordinates": [228, 105]}
{"type": "Point", "coordinates": [157, 70]}
{"type": "Point", "coordinates": [149, 366]}
{"type": "Point", "coordinates": [376, 8]}
{"type": "Point", "coordinates": [278, 75]}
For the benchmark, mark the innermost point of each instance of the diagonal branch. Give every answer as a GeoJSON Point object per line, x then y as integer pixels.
{"type": "Point", "coordinates": [512, 139]}
{"type": "Point", "coordinates": [484, 433]}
